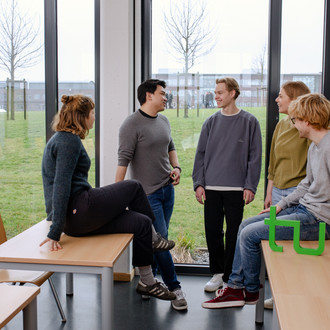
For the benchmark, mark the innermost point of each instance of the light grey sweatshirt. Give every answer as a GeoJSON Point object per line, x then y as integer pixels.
{"type": "Point", "coordinates": [144, 143]}
{"type": "Point", "coordinates": [313, 192]}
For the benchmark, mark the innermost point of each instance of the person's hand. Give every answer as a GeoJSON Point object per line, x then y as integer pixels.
{"type": "Point", "coordinates": [53, 245]}
{"type": "Point", "coordinates": [200, 195]}
{"type": "Point", "coordinates": [268, 201]}
{"type": "Point", "coordinates": [278, 210]}
{"type": "Point", "coordinates": [175, 175]}
{"type": "Point", "coordinates": [248, 196]}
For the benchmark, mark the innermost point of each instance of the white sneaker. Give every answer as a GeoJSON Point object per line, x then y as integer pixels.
{"type": "Point", "coordinates": [268, 303]}
{"type": "Point", "coordinates": [214, 283]}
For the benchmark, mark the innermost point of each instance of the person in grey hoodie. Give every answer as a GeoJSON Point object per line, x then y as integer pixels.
{"type": "Point", "coordinates": [226, 175]}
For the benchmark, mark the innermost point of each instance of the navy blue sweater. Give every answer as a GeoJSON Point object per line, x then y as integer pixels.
{"type": "Point", "coordinates": [65, 166]}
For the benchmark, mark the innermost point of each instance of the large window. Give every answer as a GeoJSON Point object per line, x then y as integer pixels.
{"type": "Point", "coordinates": [22, 114]}
{"type": "Point", "coordinates": [302, 42]}
{"type": "Point", "coordinates": [76, 58]}
{"type": "Point", "coordinates": [236, 46]}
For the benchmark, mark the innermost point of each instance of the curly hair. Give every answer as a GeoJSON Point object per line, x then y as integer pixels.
{"type": "Point", "coordinates": [73, 115]}
{"type": "Point", "coordinates": [313, 108]}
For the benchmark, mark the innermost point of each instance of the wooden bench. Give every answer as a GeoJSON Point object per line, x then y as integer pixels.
{"type": "Point", "coordinates": [13, 299]}
{"type": "Point", "coordinates": [90, 254]}
{"type": "Point", "coordinates": [300, 286]}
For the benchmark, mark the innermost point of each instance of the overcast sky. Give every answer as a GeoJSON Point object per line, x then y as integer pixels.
{"type": "Point", "coordinates": [241, 28]}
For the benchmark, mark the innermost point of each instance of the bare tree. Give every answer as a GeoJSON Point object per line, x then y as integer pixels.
{"type": "Point", "coordinates": [189, 35]}
{"type": "Point", "coordinates": [19, 44]}
{"type": "Point", "coordinates": [259, 66]}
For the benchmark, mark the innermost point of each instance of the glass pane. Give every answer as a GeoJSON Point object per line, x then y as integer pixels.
{"type": "Point", "coordinates": [234, 45]}
{"type": "Point", "coordinates": [302, 42]}
{"type": "Point", "coordinates": [76, 58]}
{"type": "Point", "coordinates": [22, 117]}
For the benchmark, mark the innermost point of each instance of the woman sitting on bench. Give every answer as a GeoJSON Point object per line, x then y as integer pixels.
{"type": "Point", "coordinates": [77, 209]}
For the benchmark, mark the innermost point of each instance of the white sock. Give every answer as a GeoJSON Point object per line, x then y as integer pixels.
{"type": "Point", "coordinates": [146, 275]}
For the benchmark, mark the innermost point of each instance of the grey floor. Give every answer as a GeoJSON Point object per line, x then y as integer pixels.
{"type": "Point", "coordinates": [131, 312]}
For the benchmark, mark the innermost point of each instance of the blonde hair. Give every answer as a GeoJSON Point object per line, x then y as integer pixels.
{"type": "Point", "coordinates": [73, 115]}
{"type": "Point", "coordinates": [231, 84]}
{"type": "Point", "coordinates": [295, 89]}
{"type": "Point", "coordinates": [314, 108]}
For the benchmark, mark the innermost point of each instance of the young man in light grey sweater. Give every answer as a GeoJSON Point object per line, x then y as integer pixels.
{"type": "Point", "coordinates": [309, 203]}
{"type": "Point", "coordinates": [226, 175]}
{"type": "Point", "coordinates": [145, 143]}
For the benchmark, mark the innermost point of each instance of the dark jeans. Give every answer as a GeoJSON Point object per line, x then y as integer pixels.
{"type": "Point", "coordinates": [162, 202]}
{"type": "Point", "coordinates": [122, 207]}
{"type": "Point", "coordinates": [220, 205]}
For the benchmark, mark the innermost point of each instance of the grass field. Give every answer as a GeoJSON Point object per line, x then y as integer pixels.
{"type": "Point", "coordinates": [21, 195]}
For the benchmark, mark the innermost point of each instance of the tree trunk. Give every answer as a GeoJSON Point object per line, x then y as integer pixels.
{"type": "Point", "coordinates": [12, 103]}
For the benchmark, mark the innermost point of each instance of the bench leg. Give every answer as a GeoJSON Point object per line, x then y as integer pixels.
{"type": "Point", "coordinates": [69, 284]}
{"type": "Point", "coordinates": [259, 317]}
{"type": "Point", "coordinates": [107, 298]}
{"type": "Point", "coordinates": [275, 323]}
{"type": "Point", "coordinates": [30, 320]}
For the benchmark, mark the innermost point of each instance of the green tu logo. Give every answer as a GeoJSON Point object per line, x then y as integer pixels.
{"type": "Point", "coordinates": [273, 222]}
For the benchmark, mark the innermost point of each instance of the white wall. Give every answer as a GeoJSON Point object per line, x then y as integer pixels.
{"type": "Point", "coordinates": [116, 90]}
{"type": "Point", "coordinates": [117, 79]}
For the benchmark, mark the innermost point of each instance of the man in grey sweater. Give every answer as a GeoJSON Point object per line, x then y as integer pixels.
{"type": "Point", "coordinates": [309, 203]}
{"type": "Point", "coordinates": [145, 143]}
{"type": "Point", "coordinates": [226, 173]}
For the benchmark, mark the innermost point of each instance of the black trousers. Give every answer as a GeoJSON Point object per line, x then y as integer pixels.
{"type": "Point", "coordinates": [122, 207]}
{"type": "Point", "coordinates": [219, 205]}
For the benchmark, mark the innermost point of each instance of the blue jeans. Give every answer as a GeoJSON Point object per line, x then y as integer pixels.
{"type": "Point", "coordinates": [162, 203]}
{"type": "Point", "coordinates": [246, 264]}
{"type": "Point", "coordinates": [277, 193]}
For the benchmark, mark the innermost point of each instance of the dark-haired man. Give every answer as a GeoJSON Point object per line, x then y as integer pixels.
{"type": "Point", "coordinates": [145, 143]}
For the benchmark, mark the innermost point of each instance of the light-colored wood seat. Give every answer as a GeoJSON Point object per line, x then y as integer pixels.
{"type": "Point", "coordinates": [13, 299]}
{"type": "Point", "coordinates": [26, 276]}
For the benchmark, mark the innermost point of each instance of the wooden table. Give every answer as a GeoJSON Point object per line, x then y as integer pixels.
{"type": "Point", "coordinates": [90, 254]}
{"type": "Point", "coordinates": [13, 299]}
{"type": "Point", "coordinates": [300, 286]}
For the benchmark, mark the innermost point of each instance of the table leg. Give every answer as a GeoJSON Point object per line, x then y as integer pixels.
{"type": "Point", "coordinates": [69, 284]}
{"type": "Point", "coordinates": [259, 316]}
{"type": "Point", "coordinates": [107, 298]}
{"type": "Point", "coordinates": [30, 320]}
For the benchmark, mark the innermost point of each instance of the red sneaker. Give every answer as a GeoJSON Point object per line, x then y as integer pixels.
{"type": "Point", "coordinates": [228, 297]}
{"type": "Point", "coordinates": [251, 298]}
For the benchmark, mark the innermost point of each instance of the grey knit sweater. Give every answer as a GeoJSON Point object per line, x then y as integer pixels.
{"type": "Point", "coordinates": [144, 143]}
{"type": "Point", "coordinates": [65, 166]}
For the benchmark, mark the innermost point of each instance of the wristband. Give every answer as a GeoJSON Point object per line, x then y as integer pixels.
{"type": "Point", "coordinates": [178, 167]}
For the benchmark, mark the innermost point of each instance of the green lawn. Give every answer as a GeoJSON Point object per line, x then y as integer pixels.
{"type": "Point", "coordinates": [21, 195]}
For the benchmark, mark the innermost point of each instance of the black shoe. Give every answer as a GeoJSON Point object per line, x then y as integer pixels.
{"type": "Point", "coordinates": [157, 290]}
{"type": "Point", "coordinates": [162, 244]}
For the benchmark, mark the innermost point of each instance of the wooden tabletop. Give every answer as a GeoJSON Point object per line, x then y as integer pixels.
{"type": "Point", "coordinates": [99, 250]}
{"type": "Point", "coordinates": [300, 285]}
{"type": "Point", "coordinates": [13, 299]}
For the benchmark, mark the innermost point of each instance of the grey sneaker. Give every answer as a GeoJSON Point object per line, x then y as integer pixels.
{"type": "Point", "coordinates": [180, 302]}
{"type": "Point", "coordinates": [162, 244]}
{"type": "Point", "coordinates": [157, 290]}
